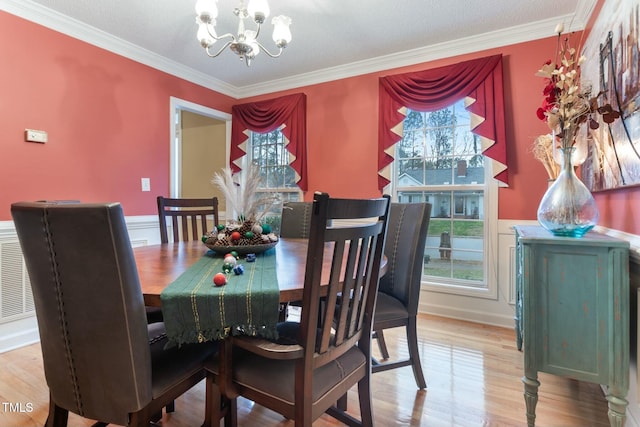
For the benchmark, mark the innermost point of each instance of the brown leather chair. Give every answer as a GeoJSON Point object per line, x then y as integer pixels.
{"type": "Point", "coordinates": [296, 219]}
{"type": "Point", "coordinates": [399, 292]}
{"type": "Point", "coordinates": [101, 359]}
{"type": "Point", "coordinates": [192, 215]}
{"type": "Point", "coordinates": [313, 364]}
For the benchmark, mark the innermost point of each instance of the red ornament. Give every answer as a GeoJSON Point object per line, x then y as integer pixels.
{"type": "Point", "coordinates": [220, 279]}
{"type": "Point", "coordinates": [236, 235]}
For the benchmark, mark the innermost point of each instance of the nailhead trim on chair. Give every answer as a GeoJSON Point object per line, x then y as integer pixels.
{"type": "Point", "coordinates": [61, 310]}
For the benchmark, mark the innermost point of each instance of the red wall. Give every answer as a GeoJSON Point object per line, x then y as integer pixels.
{"type": "Point", "coordinates": [107, 119]}
{"type": "Point", "coordinates": [108, 124]}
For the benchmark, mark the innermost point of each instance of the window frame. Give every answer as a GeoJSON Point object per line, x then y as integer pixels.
{"type": "Point", "coordinates": [489, 289]}
{"type": "Point", "coordinates": [248, 159]}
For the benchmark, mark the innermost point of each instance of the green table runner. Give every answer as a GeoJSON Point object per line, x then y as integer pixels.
{"type": "Point", "coordinates": [195, 310]}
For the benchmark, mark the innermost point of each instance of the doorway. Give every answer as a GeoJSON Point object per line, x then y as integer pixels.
{"type": "Point", "coordinates": [200, 145]}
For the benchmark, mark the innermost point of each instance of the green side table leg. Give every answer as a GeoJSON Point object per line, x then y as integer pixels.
{"type": "Point", "coordinates": [531, 385]}
{"type": "Point", "coordinates": [617, 410]}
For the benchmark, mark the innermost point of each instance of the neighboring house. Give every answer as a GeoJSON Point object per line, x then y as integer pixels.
{"type": "Point", "coordinates": [465, 204]}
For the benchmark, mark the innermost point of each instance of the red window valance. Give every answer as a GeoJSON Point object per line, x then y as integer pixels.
{"type": "Point", "coordinates": [431, 90]}
{"type": "Point", "coordinates": [266, 116]}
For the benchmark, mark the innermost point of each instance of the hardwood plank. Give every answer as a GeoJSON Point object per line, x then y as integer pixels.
{"type": "Point", "coordinates": [473, 376]}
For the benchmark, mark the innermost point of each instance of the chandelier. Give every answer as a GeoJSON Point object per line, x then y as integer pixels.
{"type": "Point", "coordinates": [245, 44]}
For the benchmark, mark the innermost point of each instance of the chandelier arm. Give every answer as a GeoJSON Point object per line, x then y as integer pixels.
{"type": "Point", "coordinates": [258, 30]}
{"type": "Point", "coordinates": [265, 50]}
{"type": "Point", "coordinates": [232, 36]}
{"type": "Point", "coordinates": [226, 45]}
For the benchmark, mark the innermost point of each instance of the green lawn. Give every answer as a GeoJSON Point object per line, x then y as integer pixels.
{"type": "Point", "coordinates": [461, 228]}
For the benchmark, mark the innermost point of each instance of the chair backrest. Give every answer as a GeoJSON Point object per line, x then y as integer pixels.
{"type": "Point", "coordinates": [296, 219]}
{"type": "Point", "coordinates": [89, 307]}
{"type": "Point", "coordinates": [404, 249]}
{"type": "Point", "coordinates": [344, 317]}
{"type": "Point", "coordinates": [192, 213]}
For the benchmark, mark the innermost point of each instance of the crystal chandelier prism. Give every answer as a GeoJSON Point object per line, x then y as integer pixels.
{"type": "Point", "coordinates": [245, 43]}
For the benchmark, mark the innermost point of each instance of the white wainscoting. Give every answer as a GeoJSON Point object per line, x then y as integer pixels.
{"type": "Point", "coordinates": [18, 326]}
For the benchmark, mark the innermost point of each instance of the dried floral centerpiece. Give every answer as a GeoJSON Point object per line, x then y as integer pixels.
{"type": "Point", "coordinates": [567, 207]}
{"type": "Point", "coordinates": [567, 102]}
{"type": "Point", "coordinates": [245, 232]}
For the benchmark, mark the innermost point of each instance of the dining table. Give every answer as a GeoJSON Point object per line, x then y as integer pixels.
{"type": "Point", "coordinates": [160, 264]}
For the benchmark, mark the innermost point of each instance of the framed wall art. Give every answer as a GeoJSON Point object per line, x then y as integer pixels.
{"type": "Point", "coordinates": [612, 67]}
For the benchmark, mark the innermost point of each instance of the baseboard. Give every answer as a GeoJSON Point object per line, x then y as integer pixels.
{"type": "Point", "coordinates": [18, 334]}
{"type": "Point", "coordinates": [465, 314]}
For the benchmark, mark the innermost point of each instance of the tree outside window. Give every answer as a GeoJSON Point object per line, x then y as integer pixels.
{"type": "Point", "coordinates": [439, 161]}
{"type": "Point", "coordinates": [268, 152]}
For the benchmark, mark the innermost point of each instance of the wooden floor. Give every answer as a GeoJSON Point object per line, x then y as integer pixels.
{"type": "Point", "coordinates": [473, 375]}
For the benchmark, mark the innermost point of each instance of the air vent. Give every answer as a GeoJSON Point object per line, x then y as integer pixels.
{"type": "Point", "coordinates": [16, 299]}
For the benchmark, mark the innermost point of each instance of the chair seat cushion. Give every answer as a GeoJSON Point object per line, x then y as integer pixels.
{"type": "Point", "coordinates": [276, 377]}
{"type": "Point", "coordinates": [389, 308]}
{"type": "Point", "coordinates": [175, 363]}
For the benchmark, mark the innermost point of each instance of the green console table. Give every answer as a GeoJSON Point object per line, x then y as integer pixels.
{"type": "Point", "coordinates": [572, 312]}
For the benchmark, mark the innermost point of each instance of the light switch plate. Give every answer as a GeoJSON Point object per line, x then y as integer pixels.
{"type": "Point", "coordinates": [146, 184]}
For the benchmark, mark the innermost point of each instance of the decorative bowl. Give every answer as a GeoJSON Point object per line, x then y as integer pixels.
{"type": "Point", "coordinates": [242, 249]}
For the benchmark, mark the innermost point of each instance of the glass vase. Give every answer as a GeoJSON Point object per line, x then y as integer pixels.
{"type": "Point", "coordinates": [568, 207]}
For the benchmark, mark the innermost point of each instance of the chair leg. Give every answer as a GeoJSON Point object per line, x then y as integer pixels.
{"type": "Point", "coordinates": [141, 418]}
{"type": "Point", "coordinates": [414, 355]}
{"type": "Point", "coordinates": [342, 402]}
{"type": "Point", "coordinates": [217, 406]}
{"type": "Point", "coordinates": [57, 417]}
{"type": "Point", "coordinates": [382, 344]}
{"type": "Point", "coordinates": [171, 407]}
{"type": "Point", "coordinates": [364, 396]}
{"type": "Point", "coordinates": [213, 401]}
{"type": "Point", "coordinates": [231, 418]}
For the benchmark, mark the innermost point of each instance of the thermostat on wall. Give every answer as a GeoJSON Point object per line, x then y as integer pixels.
{"type": "Point", "coordinates": [31, 135]}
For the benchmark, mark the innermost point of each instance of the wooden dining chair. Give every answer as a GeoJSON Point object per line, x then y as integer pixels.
{"type": "Point", "coordinates": [399, 291]}
{"type": "Point", "coordinates": [188, 217]}
{"type": "Point", "coordinates": [101, 359]}
{"type": "Point", "coordinates": [316, 361]}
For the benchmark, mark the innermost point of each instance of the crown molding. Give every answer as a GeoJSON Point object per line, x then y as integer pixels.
{"type": "Point", "coordinates": [518, 34]}
{"type": "Point", "coordinates": [64, 24]}
{"type": "Point", "coordinates": [495, 39]}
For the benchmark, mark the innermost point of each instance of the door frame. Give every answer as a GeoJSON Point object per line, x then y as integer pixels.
{"type": "Point", "coordinates": [176, 105]}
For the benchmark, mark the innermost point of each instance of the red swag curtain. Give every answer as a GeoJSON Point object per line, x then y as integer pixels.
{"type": "Point", "coordinates": [431, 90]}
{"type": "Point", "coordinates": [266, 116]}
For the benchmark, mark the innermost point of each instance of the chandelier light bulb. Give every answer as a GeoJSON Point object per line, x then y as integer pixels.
{"type": "Point", "coordinates": [207, 10]}
{"type": "Point", "coordinates": [258, 10]}
{"type": "Point", "coordinates": [281, 31]}
{"type": "Point", "coordinates": [204, 34]}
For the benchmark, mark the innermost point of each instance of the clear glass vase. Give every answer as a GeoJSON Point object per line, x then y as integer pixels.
{"type": "Point", "coordinates": [568, 207]}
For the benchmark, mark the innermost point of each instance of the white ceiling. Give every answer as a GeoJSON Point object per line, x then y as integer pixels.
{"type": "Point", "coordinates": [331, 38]}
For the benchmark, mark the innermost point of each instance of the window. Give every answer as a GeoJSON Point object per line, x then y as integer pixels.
{"type": "Point", "coordinates": [439, 161]}
{"type": "Point", "coordinates": [268, 152]}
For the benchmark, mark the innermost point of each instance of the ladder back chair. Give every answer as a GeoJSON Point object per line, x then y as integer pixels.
{"type": "Point", "coordinates": [101, 359]}
{"type": "Point", "coordinates": [315, 362]}
{"type": "Point", "coordinates": [188, 217]}
{"type": "Point", "coordinates": [399, 291]}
